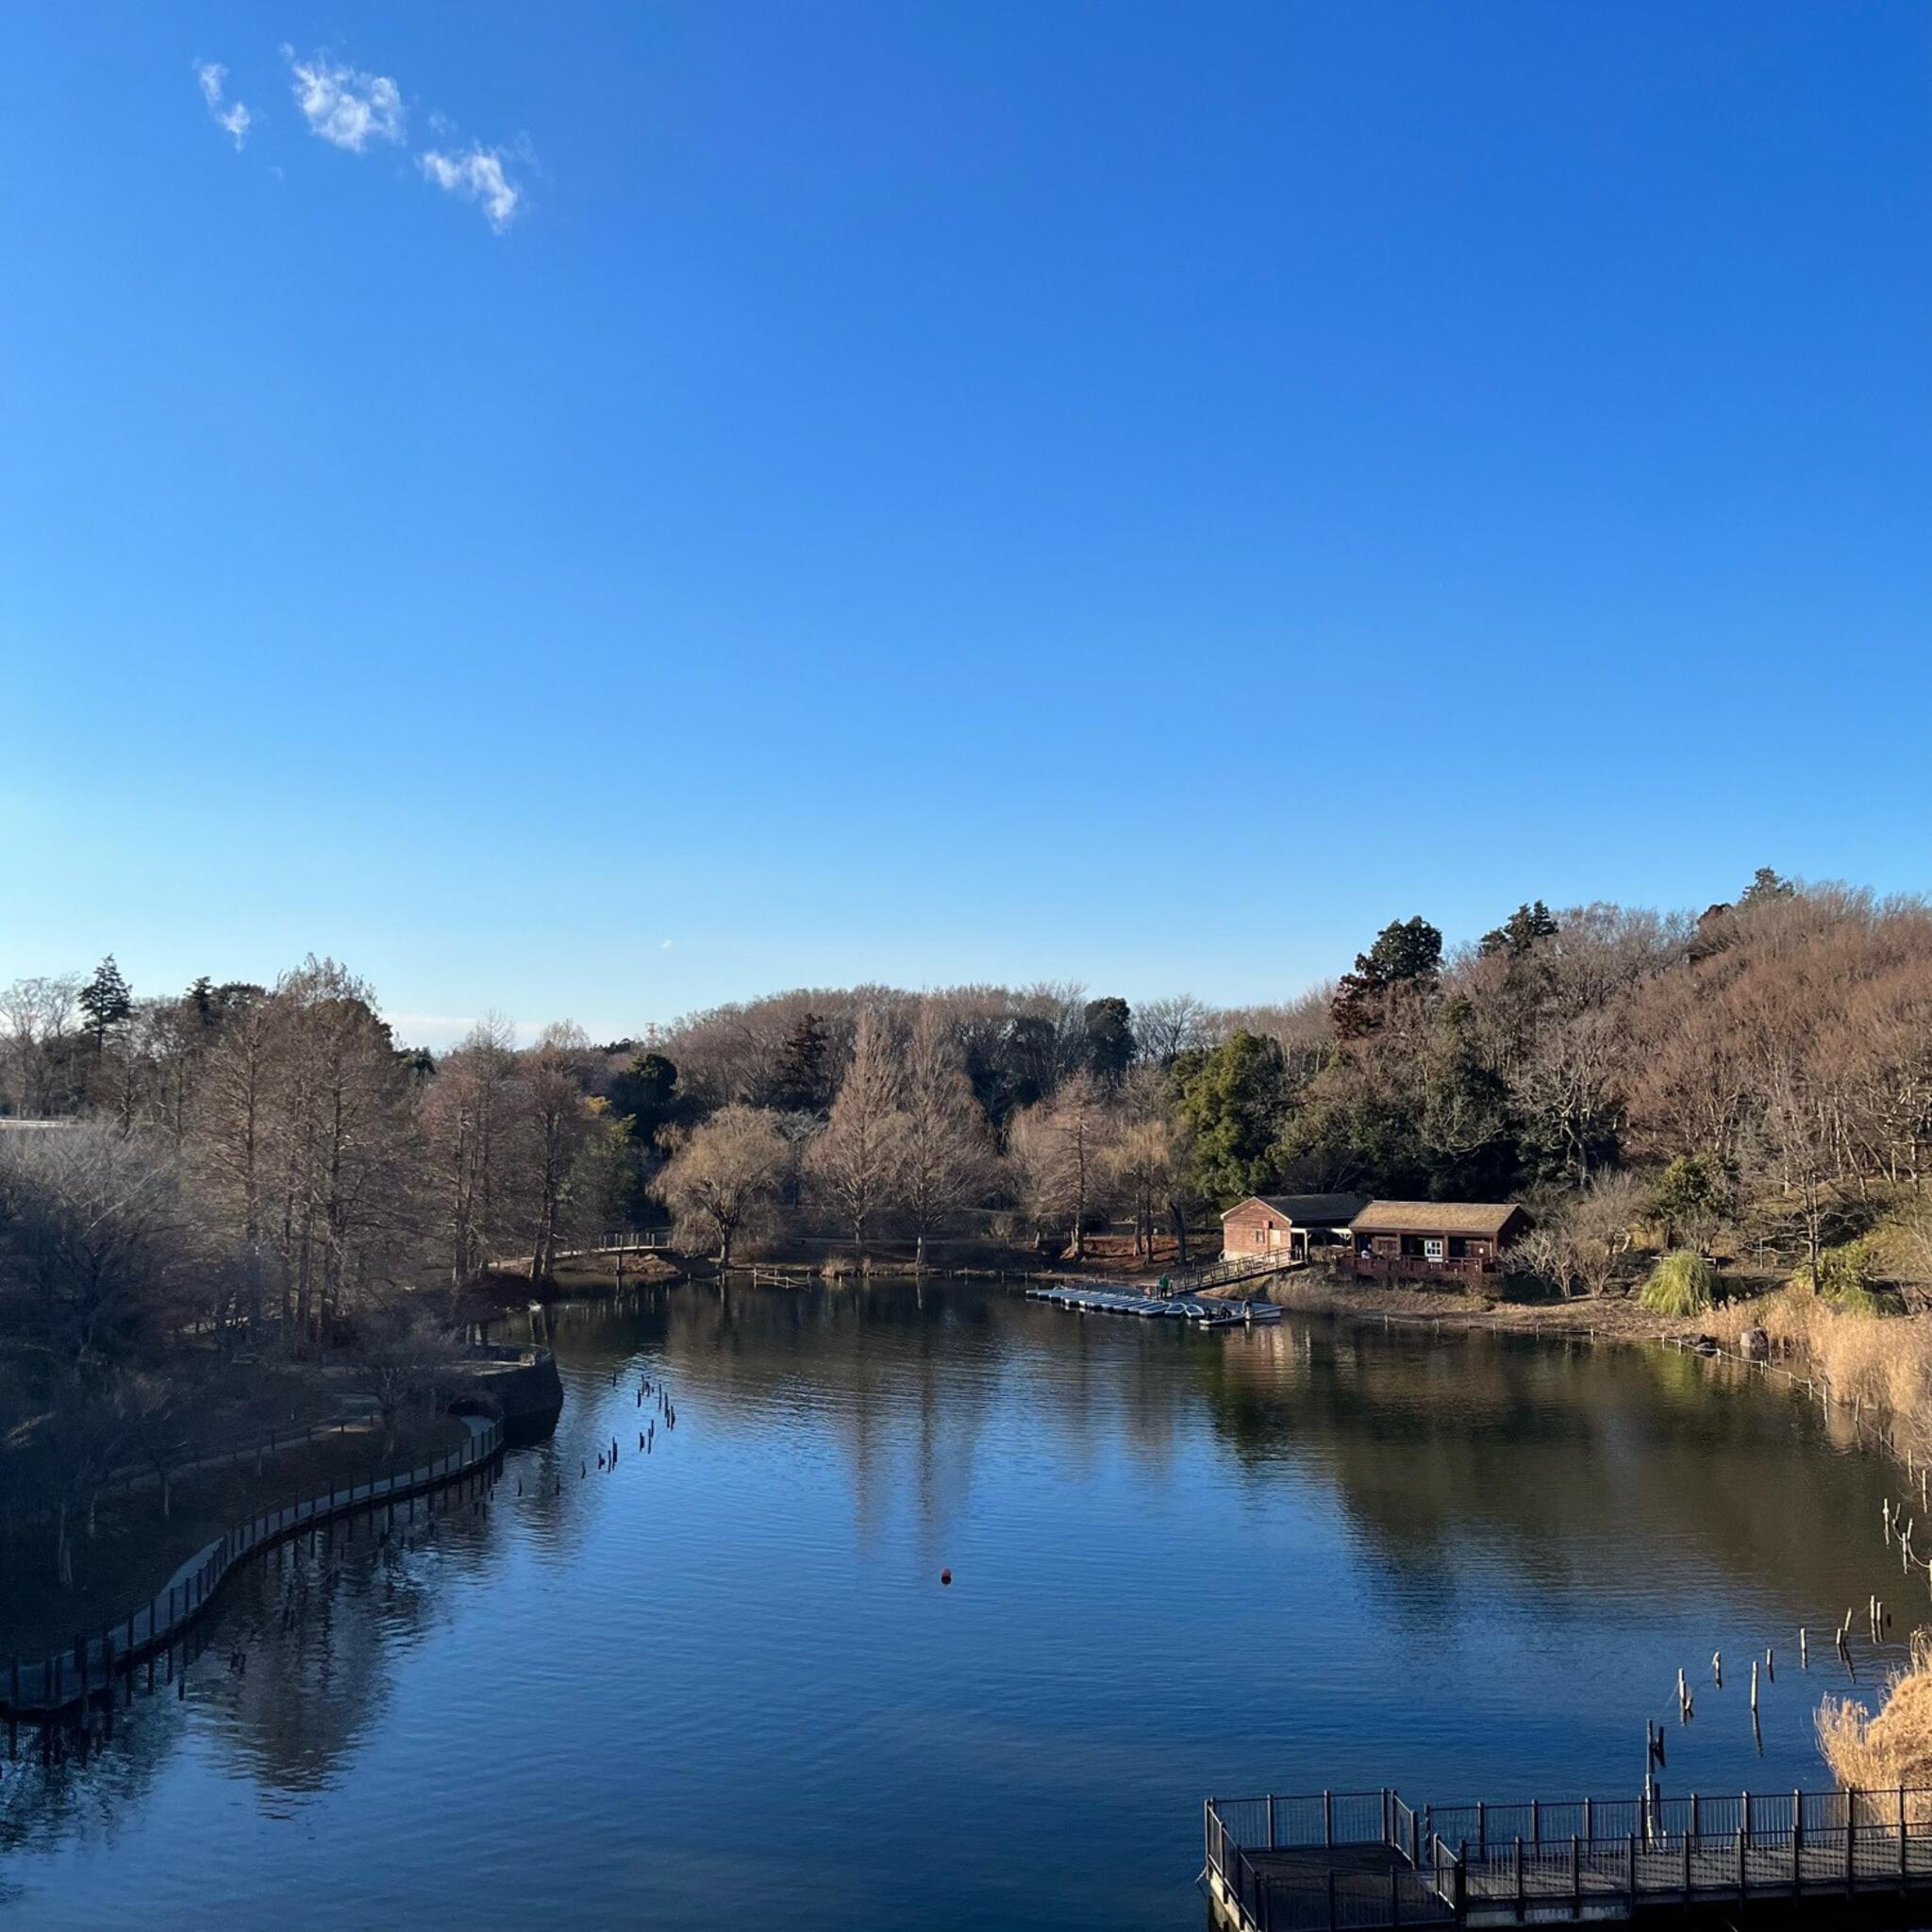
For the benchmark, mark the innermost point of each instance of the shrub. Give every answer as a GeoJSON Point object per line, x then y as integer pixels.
{"type": "Point", "coordinates": [1846, 1274]}
{"type": "Point", "coordinates": [1680, 1284]}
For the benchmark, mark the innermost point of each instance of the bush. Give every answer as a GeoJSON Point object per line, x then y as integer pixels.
{"type": "Point", "coordinates": [1846, 1274]}
{"type": "Point", "coordinates": [1680, 1284]}
{"type": "Point", "coordinates": [1845, 1277]}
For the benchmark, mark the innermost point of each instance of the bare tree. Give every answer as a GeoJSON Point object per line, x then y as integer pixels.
{"type": "Point", "coordinates": [1144, 1156]}
{"type": "Point", "coordinates": [552, 1083]}
{"type": "Point", "coordinates": [37, 1034]}
{"type": "Point", "coordinates": [228, 1142]}
{"type": "Point", "coordinates": [470, 1119]}
{"type": "Point", "coordinates": [859, 1159]}
{"type": "Point", "coordinates": [343, 1142]}
{"type": "Point", "coordinates": [946, 1153]}
{"type": "Point", "coordinates": [95, 1262]}
{"type": "Point", "coordinates": [1166, 1029]}
{"type": "Point", "coordinates": [1061, 1148]}
{"type": "Point", "coordinates": [719, 1175]}
{"type": "Point", "coordinates": [401, 1352]}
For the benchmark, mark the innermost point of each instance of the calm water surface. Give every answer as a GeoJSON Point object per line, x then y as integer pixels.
{"type": "Point", "coordinates": [725, 1684]}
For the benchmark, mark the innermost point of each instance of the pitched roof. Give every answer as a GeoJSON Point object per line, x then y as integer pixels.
{"type": "Point", "coordinates": [1434, 1216]}
{"type": "Point", "coordinates": [1308, 1210]}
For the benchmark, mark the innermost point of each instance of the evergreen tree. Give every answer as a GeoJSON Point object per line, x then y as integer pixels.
{"type": "Point", "coordinates": [646, 1093]}
{"type": "Point", "coordinates": [1232, 1100]}
{"type": "Point", "coordinates": [107, 1000]}
{"type": "Point", "coordinates": [200, 1001]}
{"type": "Point", "coordinates": [800, 1085]}
{"type": "Point", "coordinates": [1517, 934]}
{"type": "Point", "coordinates": [1766, 887]}
{"type": "Point", "coordinates": [1110, 1038]}
{"type": "Point", "coordinates": [1406, 951]}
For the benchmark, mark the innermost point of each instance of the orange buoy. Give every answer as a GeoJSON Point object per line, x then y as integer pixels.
{"type": "Point", "coordinates": [945, 1576]}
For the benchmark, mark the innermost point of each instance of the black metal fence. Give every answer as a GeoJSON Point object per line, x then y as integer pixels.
{"type": "Point", "coordinates": [1362, 1859]}
{"type": "Point", "coordinates": [88, 1666]}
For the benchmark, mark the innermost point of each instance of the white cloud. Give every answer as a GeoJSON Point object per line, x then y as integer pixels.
{"type": "Point", "coordinates": [347, 108]}
{"type": "Point", "coordinates": [232, 117]}
{"type": "Point", "coordinates": [664, 945]}
{"type": "Point", "coordinates": [476, 174]}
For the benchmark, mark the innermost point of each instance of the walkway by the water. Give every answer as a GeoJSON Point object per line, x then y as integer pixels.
{"type": "Point", "coordinates": [1366, 1861]}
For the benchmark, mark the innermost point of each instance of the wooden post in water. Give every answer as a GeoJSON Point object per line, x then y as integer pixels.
{"type": "Point", "coordinates": [1753, 1694]}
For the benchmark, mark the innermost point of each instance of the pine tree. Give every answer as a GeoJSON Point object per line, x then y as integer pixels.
{"type": "Point", "coordinates": [1406, 950]}
{"type": "Point", "coordinates": [799, 1084]}
{"type": "Point", "coordinates": [1517, 934]}
{"type": "Point", "coordinates": [107, 1000]}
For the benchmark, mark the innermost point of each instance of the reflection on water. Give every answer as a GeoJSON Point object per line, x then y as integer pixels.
{"type": "Point", "coordinates": [1183, 1563]}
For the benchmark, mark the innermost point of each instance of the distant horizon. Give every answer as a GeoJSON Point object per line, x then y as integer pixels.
{"type": "Point", "coordinates": [436, 1031]}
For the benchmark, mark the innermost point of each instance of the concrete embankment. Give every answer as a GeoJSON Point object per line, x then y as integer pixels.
{"type": "Point", "coordinates": [518, 1387]}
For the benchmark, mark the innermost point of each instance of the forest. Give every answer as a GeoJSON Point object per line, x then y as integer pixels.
{"type": "Point", "coordinates": [248, 1172]}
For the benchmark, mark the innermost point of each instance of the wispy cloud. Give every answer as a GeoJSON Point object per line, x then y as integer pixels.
{"type": "Point", "coordinates": [232, 117]}
{"type": "Point", "coordinates": [346, 106]}
{"type": "Point", "coordinates": [476, 174]}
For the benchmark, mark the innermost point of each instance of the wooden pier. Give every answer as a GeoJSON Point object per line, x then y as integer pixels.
{"type": "Point", "coordinates": [1365, 1860]}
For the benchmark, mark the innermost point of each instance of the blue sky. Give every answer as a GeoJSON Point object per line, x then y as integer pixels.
{"type": "Point", "coordinates": [667, 501]}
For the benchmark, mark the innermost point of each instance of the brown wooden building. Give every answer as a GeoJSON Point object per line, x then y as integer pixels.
{"type": "Point", "coordinates": [1427, 1239]}
{"type": "Point", "coordinates": [1286, 1224]}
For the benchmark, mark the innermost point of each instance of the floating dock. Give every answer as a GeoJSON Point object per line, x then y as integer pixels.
{"type": "Point", "coordinates": [1201, 1310]}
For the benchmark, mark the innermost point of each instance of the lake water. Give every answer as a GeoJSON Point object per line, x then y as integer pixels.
{"type": "Point", "coordinates": [725, 1682]}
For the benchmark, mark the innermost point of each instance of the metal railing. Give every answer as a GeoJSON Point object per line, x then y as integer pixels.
{"type": "Point", "coordinates": [1367, 1859]}
{"type": "Point", "coordinates": [88, 1666]}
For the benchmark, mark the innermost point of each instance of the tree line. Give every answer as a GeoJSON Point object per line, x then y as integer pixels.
{"type": "Point", "coordinates": [249, 1168]}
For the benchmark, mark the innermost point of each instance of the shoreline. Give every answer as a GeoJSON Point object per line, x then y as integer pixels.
{"type": "Point", "coordinates": [73, 1677]}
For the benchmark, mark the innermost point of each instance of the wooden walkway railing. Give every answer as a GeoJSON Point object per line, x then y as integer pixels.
{"type": "Point", "coordinates": [1367, 1860]}
{"type": "Point", "coordinates": [38, 1686]}
{"type": "Point", "coordinates": [1237, 1268]}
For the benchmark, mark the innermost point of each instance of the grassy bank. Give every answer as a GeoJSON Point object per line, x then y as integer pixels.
{"type": "Point", "coordinates": [1611, 1316]}
{"type": "Point", "coordinates": [135, 1548]}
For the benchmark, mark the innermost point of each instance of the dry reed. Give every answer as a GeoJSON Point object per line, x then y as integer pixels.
{"type": "Point", "coordinates": [1880, 1366]}
{"type": "Point", "coordinates": [1894, 1748]}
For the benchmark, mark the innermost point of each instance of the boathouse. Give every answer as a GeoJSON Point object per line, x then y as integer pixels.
{"type": "Point", "coordinates": [1426, 1238]}
{"type": "Point", "coordinates": [1288, 1224]}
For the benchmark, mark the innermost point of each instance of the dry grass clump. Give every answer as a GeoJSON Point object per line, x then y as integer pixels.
{"type": "Point", "coordinates": [1894, 1748]}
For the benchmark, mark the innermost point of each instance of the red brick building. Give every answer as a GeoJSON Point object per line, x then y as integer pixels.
{"type": "Point", "coordinates": [1286, 1224]}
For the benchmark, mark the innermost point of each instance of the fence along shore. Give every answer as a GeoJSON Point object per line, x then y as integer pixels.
{"type": "Point", "coordinates": [40, 1688]}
